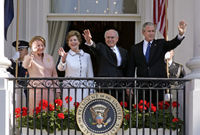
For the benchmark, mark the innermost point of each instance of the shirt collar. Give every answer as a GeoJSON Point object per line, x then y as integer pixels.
{"type": "Point", "coordinates": [114, 47]}
{"type": "Point", "coordinates": [146, 42]}
{"type": "Point", "coordinates": [76, 53]}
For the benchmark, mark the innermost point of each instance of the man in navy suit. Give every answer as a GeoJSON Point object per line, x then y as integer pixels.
{"type": "Point", "coordinates": [147, 57]}
{"type": "Point", "coordinates": [111, 59]}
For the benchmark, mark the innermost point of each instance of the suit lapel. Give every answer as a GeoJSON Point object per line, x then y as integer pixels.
{"type": "Point", "coordinates": [111, 56]}
{"type": "Point", "coordinates": [140, 51]}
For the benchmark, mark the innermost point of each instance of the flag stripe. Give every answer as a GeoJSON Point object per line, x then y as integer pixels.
{"type": "Point", "coordinates": [8, 15]}
{"type": "Point", "coordinates": [159, 16]}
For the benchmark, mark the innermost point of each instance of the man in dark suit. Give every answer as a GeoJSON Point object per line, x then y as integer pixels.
{"type": "Point", "coordinates": [148, 55]}
{"type": "Point", "coordinates": [111, 59]}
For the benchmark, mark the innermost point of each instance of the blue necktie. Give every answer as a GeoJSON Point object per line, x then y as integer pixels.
{"type": "Point", "coordinates": [148, 52]}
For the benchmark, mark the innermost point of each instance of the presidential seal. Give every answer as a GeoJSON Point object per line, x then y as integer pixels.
{"type": "Point", "coordinates": [99, 114]}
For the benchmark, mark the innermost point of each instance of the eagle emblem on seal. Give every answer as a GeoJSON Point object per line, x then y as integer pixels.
{"type": "Point", "coordinates": [100, 115]}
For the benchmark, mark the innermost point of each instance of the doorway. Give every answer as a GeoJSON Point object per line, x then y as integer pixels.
{"type": "Point", "coordinates": [126, 31]}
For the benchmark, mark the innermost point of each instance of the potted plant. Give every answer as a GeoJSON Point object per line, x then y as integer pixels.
{"type": "Point", "coordinates": [52, 117]}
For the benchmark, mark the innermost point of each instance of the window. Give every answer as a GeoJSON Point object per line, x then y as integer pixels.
{"type": "Point", "coordinates": [94, 6]}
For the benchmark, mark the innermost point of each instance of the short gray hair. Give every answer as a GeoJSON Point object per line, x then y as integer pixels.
{"type": "Point", "coordinates": [147, 24]}
{"type": "Point", "coordinates": [113, 30]}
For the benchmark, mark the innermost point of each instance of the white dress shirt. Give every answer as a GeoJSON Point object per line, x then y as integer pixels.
{"type": "Point", "coordinates": [116, 51]}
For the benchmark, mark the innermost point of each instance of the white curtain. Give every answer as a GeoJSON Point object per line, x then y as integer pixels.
{"type": "Point", "coordinates": [56, 37]}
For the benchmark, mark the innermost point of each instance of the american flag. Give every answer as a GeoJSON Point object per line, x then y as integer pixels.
{"type": "Point", "coordinates": [160, 16]}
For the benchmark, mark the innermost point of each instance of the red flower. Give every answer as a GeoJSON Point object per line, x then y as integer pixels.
{"type": "Point", "coordinates": [175, 120]}
{"type": "Point", "coordinates": [153, 108]}
{"type": "Point", "coordinates": [24, 111]}
{"type": "Point", "coordinates": [141, 108]}
{"type": "Point", "coordinates": [127, 116]}
{"type": "Point", "coordinates": [142, 101]}
{"type": "Point", "coordinates": [38, 109]}
{"type": "Point", "coordinates": [51, 107]}
{"type": "Point", "coordinates": [148, 105]}
{"type": "Point", "coordinates": [161, 105]}
{"type": "Point", "coordinates": [61, 116]}
{"type": "Point", "coordinates": [44, 103]}
{"type": "Point", "coordinates": [58, 102]}
{"type": "Point", "coordinates": [68, 99]}
{"type": "Point", "coordinates": [175, 104]}
{"type": "Point", "coordinates": [135, 106]}
{"type": "Point", "coordinates": [17, 112]}
{"type": "Point", "coordinates": [76, 104]}
{"type": "Point", "coordinates": [125, 104]}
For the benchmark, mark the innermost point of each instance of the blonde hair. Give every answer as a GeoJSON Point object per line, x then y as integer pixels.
{"type": "Point", "coordinates": [74, 33]}
{"type": "Point", "coordinates": [37, 38]}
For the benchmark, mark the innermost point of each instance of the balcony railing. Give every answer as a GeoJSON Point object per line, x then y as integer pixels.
{"type": "Point", "coordinates": [49, 105]}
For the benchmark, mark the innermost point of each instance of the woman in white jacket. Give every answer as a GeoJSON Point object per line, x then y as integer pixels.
{"type": "Point", "coordinates": [75, 63]}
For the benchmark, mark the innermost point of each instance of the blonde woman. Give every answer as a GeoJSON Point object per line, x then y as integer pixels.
{"type": "Point", "coordinates": [75, 63]}
{"type": "Point", "coordinates": [40, 65]}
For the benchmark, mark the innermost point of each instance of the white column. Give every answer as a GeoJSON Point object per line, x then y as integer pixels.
{"type": "Point", "coordinates": [193, 87]}
{"type": "Point", "coordinates": [192, 107]}
{"type": "Point", "coordinates": [4, 63]}
{"type": "Point", "coordinates": [194, 63]}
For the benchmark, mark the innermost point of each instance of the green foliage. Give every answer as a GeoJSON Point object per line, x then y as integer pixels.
{"type": "Point", "coordinates": [49, 121]}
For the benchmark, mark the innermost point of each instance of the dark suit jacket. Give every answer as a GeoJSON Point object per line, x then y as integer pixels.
{"type": "Point", "coordinates": [107, 62]}
{"type": "Point", "coordinates": [156, 66]}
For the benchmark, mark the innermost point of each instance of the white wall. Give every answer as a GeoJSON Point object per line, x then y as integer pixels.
{"type": "Point", "coordinates": [182, 10]}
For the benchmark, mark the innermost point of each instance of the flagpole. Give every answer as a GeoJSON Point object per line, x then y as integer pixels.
{"type": "Point", "coordinates": [17, 38]}
{"type": "Point", "coordinates": [166, 22]}
{"type": "Point", "coordinates": [166, 34]}
{"type": "Point", "coordinates": [166, 38]}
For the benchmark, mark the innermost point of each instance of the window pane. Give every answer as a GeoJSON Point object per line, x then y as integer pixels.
{"type": "Point", "coordinates": [94, 6]}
